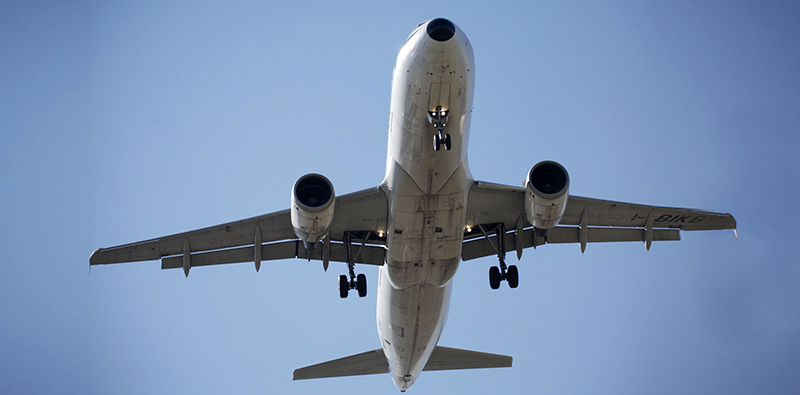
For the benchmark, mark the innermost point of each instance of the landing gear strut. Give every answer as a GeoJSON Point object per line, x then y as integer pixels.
{"type": "Point", "coordinates": [438, 118]}
{"type": "Point", "coordinates": [359, 282]}
{"type": "Point", "coordinates": [503, 272]}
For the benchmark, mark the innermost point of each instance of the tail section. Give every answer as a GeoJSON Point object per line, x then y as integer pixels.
{"type": "Point", "coordinates": [374, 362]}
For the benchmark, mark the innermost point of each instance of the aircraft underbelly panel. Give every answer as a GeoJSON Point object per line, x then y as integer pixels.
{"type": "Point", "coordinates": [425, 238]}
{"type": "Point", "coordinates": [410, 322]}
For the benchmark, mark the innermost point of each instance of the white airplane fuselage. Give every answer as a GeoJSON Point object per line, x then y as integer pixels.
{"type": "Point", "coordinates": [427, 193]}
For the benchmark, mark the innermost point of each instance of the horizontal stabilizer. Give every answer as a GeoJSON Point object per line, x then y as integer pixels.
{"type": "Point", "coordinates": [444, 358]}
{"type": "Point", "coordinates": [370, 362]}
{"type": "Point", "coordinates": [374, 362]}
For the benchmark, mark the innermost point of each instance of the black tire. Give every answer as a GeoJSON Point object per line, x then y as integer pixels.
{"type": "Point", "coordinates": [436, 143]}
{"type": "Point", "coordinates": [344, 286]}
{"type": "Point", "coordinates": [494, 277]}
{"type": "Point", "coordinates": [513, 276]}
{"type": "Point", "coordinates": [447, 142]}
{"type": "Point", "coordinates": [361, 285]}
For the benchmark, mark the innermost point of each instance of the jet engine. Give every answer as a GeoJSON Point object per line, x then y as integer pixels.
{"type": "Point", "coordinates": [312, 208]}
{"type": "Point", "coordinates": [546, 191]}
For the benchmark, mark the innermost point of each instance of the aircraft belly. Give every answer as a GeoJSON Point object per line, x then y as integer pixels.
{"type": "Point", "coordinates": [425, 238]}
{"type": "Point", "coordinates": [410, 322]}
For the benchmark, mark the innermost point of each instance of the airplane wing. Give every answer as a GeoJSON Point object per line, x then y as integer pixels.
{"type": "Point", "coordinates": [494, 209]}
{"type": "Point", "coordinates": [358, 218]}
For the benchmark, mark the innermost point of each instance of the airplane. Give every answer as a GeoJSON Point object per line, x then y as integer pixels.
{"type": "Point", "coordinates": [427, 216]}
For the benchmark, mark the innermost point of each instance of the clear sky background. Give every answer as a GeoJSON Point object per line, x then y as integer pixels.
{"type": "Point", "coordinates": [125, 122]}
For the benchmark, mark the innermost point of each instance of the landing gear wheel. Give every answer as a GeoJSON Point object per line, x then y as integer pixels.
{"type": "Point", "coordinates": [447, 142]}
{"type": "Point", "coordinates": [494, 277]}
{"type": "Point", "coordinates": [344, 286]}
{"type": "Point", "coordinates": [513, 276]}
{"type": "Point", "coordinates": [361, 285]}
{"type": "Point", "coordinates": [436, 143]}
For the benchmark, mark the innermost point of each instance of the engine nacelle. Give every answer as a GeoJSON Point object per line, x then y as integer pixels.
{"type": "Point", "coordinates": [312, 208]}
{"type": "Point", "coordinates": [546, 192]}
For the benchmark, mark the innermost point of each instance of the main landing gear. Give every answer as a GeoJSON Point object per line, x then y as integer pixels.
{"type": "Point", "coordinates": [359, 282]}
{"type": "Point", "coordinates": [438, 118]}
{"type": "Point", "coordinates": [503, 272]}
{"type": "Point", "coordinates": [345, 285]}
{"type": "Point", "coordinates": [510, 273]}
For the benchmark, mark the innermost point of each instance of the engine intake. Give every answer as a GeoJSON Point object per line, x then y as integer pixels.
{"type": "Point", "coordinates": [313, 200]}
{"type": "Point", "coordinates": [546, 192]}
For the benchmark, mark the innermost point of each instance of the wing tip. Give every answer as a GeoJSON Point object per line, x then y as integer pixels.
{"type": "Point", "coordinates": [94, 258]}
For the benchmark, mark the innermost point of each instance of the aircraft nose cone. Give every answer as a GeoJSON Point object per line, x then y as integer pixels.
{"type": "Point", "coordinates": [441, 29]}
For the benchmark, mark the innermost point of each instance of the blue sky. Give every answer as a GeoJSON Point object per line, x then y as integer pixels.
{"type": "Point", "coordinates": [126, 122]}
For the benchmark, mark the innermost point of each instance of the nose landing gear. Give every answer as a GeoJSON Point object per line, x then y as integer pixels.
{"type": "Point", "coordinates": [439, 140]}
{"type": "Point", "coordinates": [438, 118]}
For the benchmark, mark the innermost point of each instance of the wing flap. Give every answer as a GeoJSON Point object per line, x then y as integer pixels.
{"type": "Point", "coordinates": [570, 234]}
{"type": "Point", "coordinates": [368, 254]}
{"type": "Point", "coordinates": [480, 246]}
